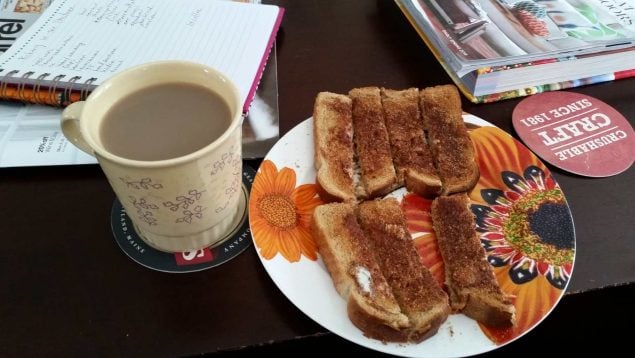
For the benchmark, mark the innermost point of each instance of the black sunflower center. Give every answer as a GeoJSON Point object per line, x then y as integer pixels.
{"type": "Point", "coordinates": [539, 227]}
{"type": "Point", "coordinates": [551, 223]}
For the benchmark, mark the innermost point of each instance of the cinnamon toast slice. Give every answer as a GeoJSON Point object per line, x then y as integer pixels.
{"type": "Point", "coordinates": [371, 142]}
{"type": "Point", "coordinates": [333, 140]}
{"type": "Point", "coordinates": [356, 275]}
{"type": "Point", "coordinates": [448, 138]}
{"type": "Point", "coordinates": [416, 291]}
{"type": "Point", "coordinates": [411, 154]}
{"type": "Point", "coordinates": [469, 278]}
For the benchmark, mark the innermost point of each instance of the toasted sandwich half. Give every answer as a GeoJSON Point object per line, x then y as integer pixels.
{"type": "Point", "coordinates": [348, 256]}
{"type": "Point", "coordinates": [469, 278]}
{"type": "Point", "coordinates": [448, 138]}
{"type": "Point", "coordinates": [410, 151]}
{"type": "Point", "coordinates": [371, 142]}
{"type": "Point", "coordinates": [333, 139]}
{"type": "Point", "coordinates": [418, 294]}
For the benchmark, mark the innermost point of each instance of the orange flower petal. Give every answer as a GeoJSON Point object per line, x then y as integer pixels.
{"type": "Point", "coordinates": [258, 223]}
{"type": "Point", "coordinates": [428, 250]}
{"type": "Point", "coordinates": [304, 193]}
{"type": "Point", "coordinates": [306, 199]}
{"type": "Point", "coordinates": [265, 240]}
{"type": "Point", "coordinates": [494, 155]}
{"type": "Point", "coordinates": [289, 246]}
{"type": "Point", "coordinates": [267, 244]}
{"type": "Point", "coordinates": [307, 207]}
{"type": "Point", "coordinates": [305, 239]}
{"type": "Point", "coordinates": [305, 216]}
{"type": "Point", "coordinates": [496, 151]}
{"type": "Point", "coordinates": [285, 182]}
{"type": "Point", "coordinates": [417, 213]}
{"type": "Point", "coordinates": [264, 181]}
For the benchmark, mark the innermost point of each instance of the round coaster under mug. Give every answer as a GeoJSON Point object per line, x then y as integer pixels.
{"type": "Point", "coordinates": [236, 241]}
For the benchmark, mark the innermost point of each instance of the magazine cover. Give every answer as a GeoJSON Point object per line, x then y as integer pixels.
{"type": "Point", "coordinates": [16, 16]}
{"type": "Point", "coordinates": [24, 6]}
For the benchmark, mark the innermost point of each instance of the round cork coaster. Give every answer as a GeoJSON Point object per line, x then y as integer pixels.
{"type": "Point", "coordinates": [576, 132]}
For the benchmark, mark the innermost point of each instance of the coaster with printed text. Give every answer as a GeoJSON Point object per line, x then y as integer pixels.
{"type": "Point", "coordinates": [238, 239]}
{"type": "Point", "coordinates": [576, 132]}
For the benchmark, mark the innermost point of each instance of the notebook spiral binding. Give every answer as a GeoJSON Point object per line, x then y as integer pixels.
{"type": "Point", "coordinates": [4, 83]}
{"type": "Point", "coordinates": [42, 90]}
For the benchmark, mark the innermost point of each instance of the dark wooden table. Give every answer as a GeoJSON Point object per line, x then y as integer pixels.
{"type": "Point", "coordinates": [67, 289]}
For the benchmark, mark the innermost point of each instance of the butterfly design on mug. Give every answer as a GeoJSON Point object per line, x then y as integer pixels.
{"type": "Point", "coordinates": [144, 210]}
{"type": "Point", "coordinates": [143, 183]}
{"type": "Point", "coordinates": [196, 212]}
{"type": "Point", "coordinates": [184, 202]}
{"type": "Point", "coordinates": [226, 159]}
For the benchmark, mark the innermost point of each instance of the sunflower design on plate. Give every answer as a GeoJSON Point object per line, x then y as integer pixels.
{"type": "Point", "coordinates": [280, 214]}
{"type": "Point", "coordinates": [524, 224]}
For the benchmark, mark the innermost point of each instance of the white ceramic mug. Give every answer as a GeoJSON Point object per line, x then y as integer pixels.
{"type": "Point", "coordinates": [178, 204]}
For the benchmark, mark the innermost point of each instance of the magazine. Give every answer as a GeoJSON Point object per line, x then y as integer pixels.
{"type": "Point", "coordinates": [16, 16]}
{"type": "Point", "coordinates": [498, 49]}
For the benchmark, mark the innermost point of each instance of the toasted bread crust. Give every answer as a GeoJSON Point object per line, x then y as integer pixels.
{"type": "Point", "coordinates": [424, 185]}
{"type": "Point", "coordinates": [469, 277]}
{"type": "Point", "coordinates": [371, 325]}
{"type": "Point", "coordinates": [371, 142]}
{"type": "Point", "coordinates": [416, 291]}
{"type": "Point", "coordinates": [448, 138]}
{"type": "Point", "coordinates": [333, 139]}
{"type": "Point", "coordinates": [410, 152]}
{"type": "Point", "coordinates": [356, 275]}
{"type": "Point", "coordinates": [491, 310]}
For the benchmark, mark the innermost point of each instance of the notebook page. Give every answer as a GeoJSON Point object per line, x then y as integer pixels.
{"type": "Point", "coordinates": [95, 39]}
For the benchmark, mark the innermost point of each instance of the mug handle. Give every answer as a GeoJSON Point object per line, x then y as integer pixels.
{"type": "Point", "coordinates": [70, 126]}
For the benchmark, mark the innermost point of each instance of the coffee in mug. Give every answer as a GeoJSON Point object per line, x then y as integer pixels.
{"type": "Point", "coordinates": [168, 138]}
{"type": "Point", "coordinates": [153, 123]}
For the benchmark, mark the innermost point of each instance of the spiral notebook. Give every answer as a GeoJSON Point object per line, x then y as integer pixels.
{"type": "Point", "coordinates": [77, 44]}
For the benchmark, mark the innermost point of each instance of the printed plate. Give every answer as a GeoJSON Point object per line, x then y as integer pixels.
{"type": "Point", "coordinates": [522, 218]}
